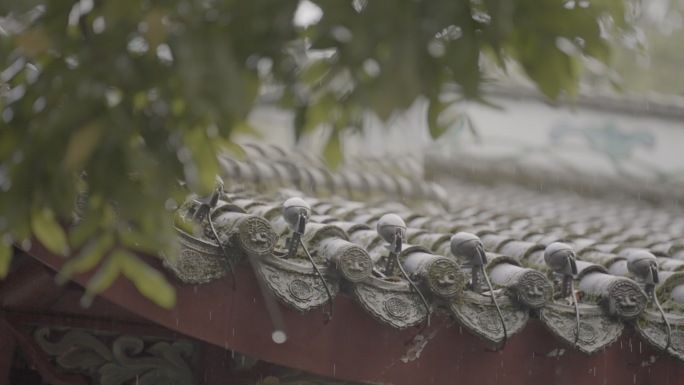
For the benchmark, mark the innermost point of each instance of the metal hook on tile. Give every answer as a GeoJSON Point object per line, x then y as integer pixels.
{"type": "Point", "coordinates": [296, 212]}
{"type": "Point", "coordinates": [560, 258]}
{"type": "Point", "coordinates": [644, 266]}
{"type": "Point", "coordinates": [206, 207]}
{"type": "Point", "coordinates": [393, 230]}
{"type": "Point", "coordinates": [469, 246]}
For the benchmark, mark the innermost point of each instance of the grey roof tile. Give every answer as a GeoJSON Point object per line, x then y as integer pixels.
{"type": "Point", "coordinates": [513, 222]}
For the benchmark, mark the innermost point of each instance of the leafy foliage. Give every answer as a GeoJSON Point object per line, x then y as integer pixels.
{"type": "Point", "coordinates": [655, 65]}
{"type": "Point", "coordinates": [118, 100]}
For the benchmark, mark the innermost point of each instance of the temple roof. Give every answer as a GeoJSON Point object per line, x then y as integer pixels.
{"type": "Point", "coordinates": [351, 315]}
{"type": "Point", "coordinates": [516, 227]}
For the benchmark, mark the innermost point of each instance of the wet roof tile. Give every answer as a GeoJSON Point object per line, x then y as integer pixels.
{"type": "Point", "coordinates": [514, 222]}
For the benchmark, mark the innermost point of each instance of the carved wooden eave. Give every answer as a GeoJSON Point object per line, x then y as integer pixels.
{"type": "Point", "coordinates": [479, 316]}
{"type": "Point", "coordinates": [597, 330]}
{"type": "Point", "coordinates": [124, 360]}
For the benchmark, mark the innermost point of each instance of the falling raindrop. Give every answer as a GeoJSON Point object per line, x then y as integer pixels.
{"type": "Point", "coordinates": [279, 336]}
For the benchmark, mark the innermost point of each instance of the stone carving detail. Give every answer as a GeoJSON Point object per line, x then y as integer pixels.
{"type": "Point", "coordinates": [444, 278]}
{"type": "Point", "coordinates": [597, 330]}
{"type": "Point", "coordinates": [478, 315]}
{"type": "Point", "coordinates": [201, 260]}
{"type": "Point", "coordinates": [197, 262]}
{"type": "Point", "coordinates": [533, 289]}
{"type": "Point", "coordinates": [254, 235]}
{"type": "Point", "coordinates": [300, 290]}
{"type": "Point", "coordinates": [125, 360]}
{"type": "Point", "coordinates": [297, 286]}
{"type": "Point", "coordinates": [354, 264]}
{"type": "Point", "coordinates": [652, 329]}
{"type": "Point", "coordinates": [392, 303]}
{"type": "Point", "coordinates": [396, 307]}
{"type": "Point", "coordinates": [626, 299]}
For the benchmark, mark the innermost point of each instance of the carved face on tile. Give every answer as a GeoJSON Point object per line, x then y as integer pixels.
{"type": "Point", "coordinates": [355, 264]}
{"type": "Point", "coordinates": [626, 299]}
{"type": "Point", "coordinates": [445, 278]}
{"type": "Point", "coordinates": [534, 290]}
{"type": "Point", "coordinates": [256, 235]}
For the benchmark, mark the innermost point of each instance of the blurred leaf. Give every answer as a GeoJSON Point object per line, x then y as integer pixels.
{"type": "Point", "coordinates": [104, 277]}
{"type": "Point", "coordinates": [33, 42]}
{"type": "Point", "coordinates": [333, 150]}
{"type": "Point", "coordinates": [245, 128]}
{"type": "Point", "coordinates": [155, 32]}
{"type": "Point", "coordinates": [87, 258]}
{"type": "Point", "coordinates": [150, 282]}
{"type": "Point", "coordinates": [85, 229]}
{"type": "Point", "coordinates": [311, 116]}
{"type": "Point", "coordinates": [48, 231]}
{"type": "Point", "coordinates": [435, 109]}
{"type": "Point", "coordinates": [140, 100]}
{"type": "Point", "coordinates": [6, 253]}
{"type": "Point", "coordinates": [135, 240]}
{"type": "Point", "coordinates": [200, 173]}
{"type": "Point", "coordinates": [81, 145]}
{"type": "Point", "coordinates": [137, 96]}
{"type": "Point", "coordinates": [232, 149]}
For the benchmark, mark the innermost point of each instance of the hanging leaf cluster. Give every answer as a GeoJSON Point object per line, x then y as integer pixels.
{"type": "Point", "coordinates": [106, 105]}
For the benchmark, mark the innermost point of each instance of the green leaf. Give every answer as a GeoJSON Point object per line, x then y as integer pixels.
{"type": "Point", "coordinates": [6, 254]}
{"type": "Point", "coordinates": [435, 109]}
{"type": "Point", "coordinates": [103, 278]}
{"type": "Point", "coordinates": [149, 281]}
{"type": "Point", "coordinates": [309, 117]}
{"type": "Point", "coordinates": [48, 231]}
{"type": "Point", "coordinates": [201, 171]}
{"type": "Point", "coordinates": [231, 149]}
{"type": "Point", "coordinates": [81, 145]}
{"type": "Point", "coordinates": [243, 127]}
{"type": "Point", "coordinates": [85, 229]}
{"type": "Point", "coordinates": [88, 258]}
{"type": "Point", "coordinates": [136, 240]}
{"type": "Point", "coordinates": [333, 150]}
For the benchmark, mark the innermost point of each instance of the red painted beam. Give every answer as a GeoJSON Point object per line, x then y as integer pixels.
{"type": "Point", "coordinates": [30, 285]}
{"type": "Point", "coordinates": [355, 347]}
